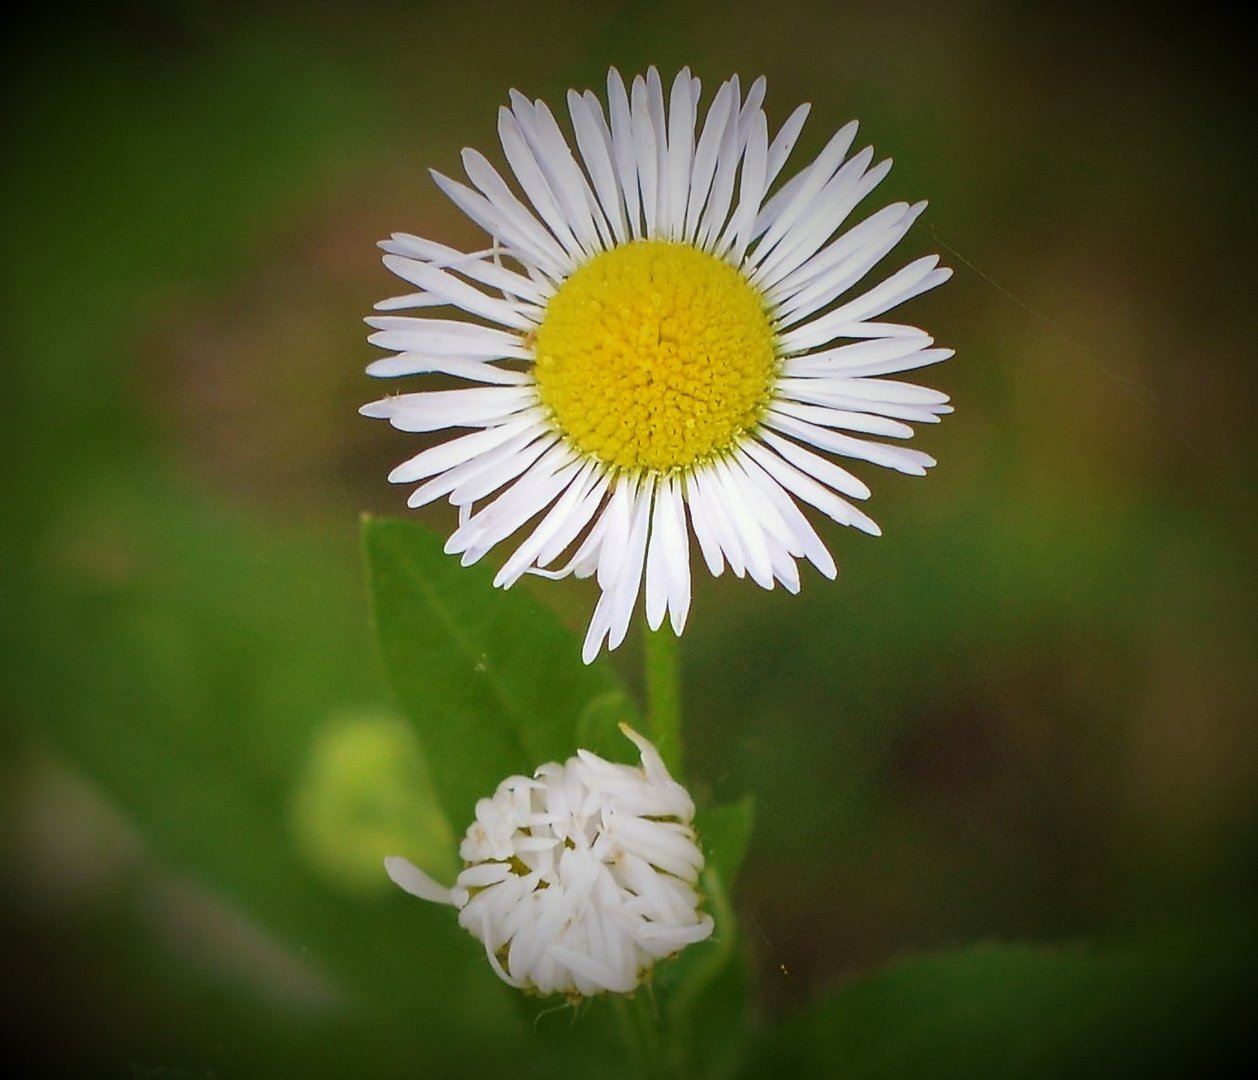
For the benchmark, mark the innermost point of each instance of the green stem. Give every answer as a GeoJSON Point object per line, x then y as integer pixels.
{"type": "Point", "coordinates": [641, 1034]}
{"type": "Point", "coordinates": [663, 695]}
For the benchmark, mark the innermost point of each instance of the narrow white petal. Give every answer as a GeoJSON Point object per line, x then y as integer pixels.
{"type": "Point", "coordinates": [818, 174]}
{"type": "Point", "coordinates": [750, 192]}
{"type": "Point", "coordinates": [851, 360]}
{"type": "Point", "coordinates": [823, 416]}
{"type": "Point", "coordinates": [472, 265]}
{"type": "Point", "coordinates": [534, 183]}
{"type": "Point", "coordinates": [584, 561]}
{"type": "Point", "coordinates": [522, 500]}
{"type": "Point", "coordinates": [623, 149]}
{"type": "Point", "coordinates": [836, 268]}
{"type": "Point", "coordinates": [729, 153]}
{"type": "Point", "coordinates": [554, 155]}
{"type": "Point", "coordinates": [681, 148]}
{"type": "Point", "coordinates": [618, 515]}
{"type": "Point", "coordinates": [667, 560]}
{"type": "Point", "coordinates": [646, 154]}
{"type": "Point", "coordinates": [591, 500]}
{"type": "Point", "coordinates": [620, 565]}
{"type": "Point", "coordinates": [445, 336]}
{"type": "Point", "coordinates": [410, 877]}
{"type": "Point", "coordinates": [678, 564]}
{"type": "Point", "coordinates": [819, 468]}
{"type": "Point", "coordinates": [509, 222]}
{"type": "Point", "coordinates": [819, 221]}
{"type": "Point", "coordinates": [410, 300]}
{"type": "Point", "coordinates": [629, 579]}
{"type": "Point", "coordinates": [484, 474]}
{"type": "Point", "coordinates": [779, 539]}
{"type": "Point", "coordinates": [918, 277]}
{"type": "Point", "coordinates": [705, 159]}
{"type": "Point", "coordinates": [409, 363]}
{"type": "Point", "coordinates": [659, 126]}
{"type": "Point", "coordinates": [750, 532]}
{"type": "Point", "coordinates": [824, 330]}
{"type": "Point", "coordinates": [709, 545]}
{"type": "Point", "coordinates": [446, 455]}
{"type": "Point", "coordinates": [458, 293]}
{"type": "Point", "coordinates": [806, 538]}
{"type": "Point", "coordinates": [483, 482]}
{"type": "Point", "coordinates": [563, 519]}
{"type": "Point", "coordinates": [805, 488]}
{"type": "Point", "coordinates": [904, 360]}
{"type": "Point", "coordinates": [712, 496]}
{"type": "Point", "coordinates": [433, 410]}
{"type": "Point", "coordinates": [901, 459]}
{"type": "Point", "coordinates": [594, 143]}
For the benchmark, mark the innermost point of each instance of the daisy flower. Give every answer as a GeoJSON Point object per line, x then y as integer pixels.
{"type": "Point", "coordinates": [578, 878]}
{"type": "Point", "coordinates": [662, 341]}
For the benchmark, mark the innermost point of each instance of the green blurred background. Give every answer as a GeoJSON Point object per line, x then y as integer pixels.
{"type": "Point", "coordinates": [1025, 714]}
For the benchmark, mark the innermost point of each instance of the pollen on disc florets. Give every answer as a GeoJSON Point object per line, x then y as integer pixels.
{"type": "Point", "coordinates": [655, 355]}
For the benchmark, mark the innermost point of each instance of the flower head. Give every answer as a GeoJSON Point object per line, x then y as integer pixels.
{"type": "Point", "coordinates": [662, 343]}
{"type": "Point", "coordinates": [579, 878]}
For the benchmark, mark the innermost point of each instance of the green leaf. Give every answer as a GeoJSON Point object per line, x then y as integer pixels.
{"type": "Point", "coordinates": [1016, 1011]}
{"type": "Point", "coordinates": [598, 727]}
{"type": "Point", "coordinates": [491, 679]}
{"type": "Point", "coordinates": [726, 832]}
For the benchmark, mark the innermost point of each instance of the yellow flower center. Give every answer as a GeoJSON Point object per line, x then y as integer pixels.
{"type": "Point", "coordinates": [655, 355]}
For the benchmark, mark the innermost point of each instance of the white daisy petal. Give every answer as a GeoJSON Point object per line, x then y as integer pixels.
{"type": "Point", "coordinates": [750, 192]}
{"type": "Point", "coordinates": [451, 290]}
{"type": "Point", "coordinates": [816, 176]}
{"type": "Point", "coordinates": [646, 146]}
{"type": "Point", "coordinates": [553, 154]}
{"type": "Point", "coordinates": [484, 474]}
{"type": "Point", "coordinates": [726, 537]}
{"type": "Point", "coordinates": [853, 360]}
{"type": "Point", "coordinates": [784, 141]}
{"type": "Point", "coordinates": [910, 462]}
{"type": "Point", "coordinates": [405, 334]}
{"type": "Point", "coordinates": [533, 181]}
{"type": "Point", "coordinates": [479, 267]}
{"type": "Point", "coordinates": [594, 142]}
{"type": "Point", "coordinates": [623, 149]}
{"type": "Point", "coordinates": [506, 220]}
{"type": "Point", "coordinates": [436, 409]}
{"type": "Point", "coordinates": [446, 455]}
{"type": "Point", "coordinates": [839, 266]}
{"type": "Point", "coordinates": [561, 523]}
{"type": "Point", "coordinates": [709, 544]}
{"type": "Point", "coordinates": [705, 158]}
{"type": "Point", "coordinates": [729, 154]}
{"type": "Point", "coordinates": [657, 346]}
{"type": "Point", "coordinates": [680, 155]}
{"type": "Point", "coordinates": [409, 363]}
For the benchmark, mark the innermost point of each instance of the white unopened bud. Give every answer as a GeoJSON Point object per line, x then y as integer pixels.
{"type": "Point", "coordinates": [578, 879]}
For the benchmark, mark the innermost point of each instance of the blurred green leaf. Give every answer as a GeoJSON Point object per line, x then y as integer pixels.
{"type": "Point", "coordinates": [1017, 1011]}
{"type": "Point", "coordinates": [598, 726]}
{"type": "Point", "coordinates": [195, 700]}
{"type": "Point", "coordinates": [492, 680]}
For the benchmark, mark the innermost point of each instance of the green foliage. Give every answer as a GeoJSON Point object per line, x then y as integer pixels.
{"type": "Point", "coordinates": [491, 680]}
{"type": "Point", "coordinates": [1020, 1011]}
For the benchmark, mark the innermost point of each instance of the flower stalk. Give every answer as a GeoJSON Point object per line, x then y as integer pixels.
{"type": "Point", "coordinates": [663, 694]}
